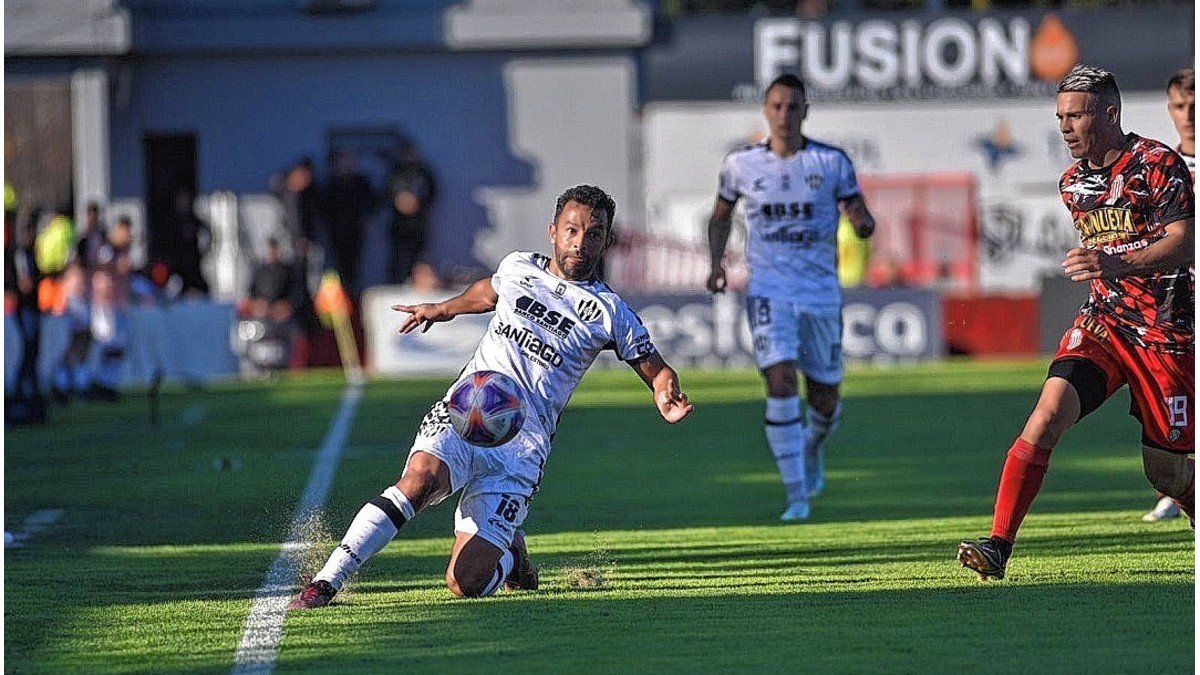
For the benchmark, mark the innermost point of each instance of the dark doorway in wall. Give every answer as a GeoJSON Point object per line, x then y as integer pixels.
{"type": "Point", "coordinates": [170, 170]}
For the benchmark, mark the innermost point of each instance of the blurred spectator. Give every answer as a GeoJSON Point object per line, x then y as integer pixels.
{"type": "Point", "coordinates": [52, 246]}
{"type": "Point", "coordinates": [92, 237]}
{"type": "Point", "coordinates": [117, 255]}
{"type": "Point", "coordinates": [349, 204]}
{"type": "Point", "coordinates": [110, 332]}
{"type": "Point", "coordinates": [53, 242]}
{"type": "Point", "coordinates": [412, 189]}
{"type": "Point", "coordinates": [266, 325]}
{"type": "Point", "coordinates": [192, 239]}
{"type": "Point", "coordinates": [299, 199]}
{"type": "Point", "coordinates": [273, 286]}
{"type": "Point", "coordinates": [425, 278]}
{"type": "Point", "coordinates": [854, 253]}
{"type": "Point", "coordinates": [71, 375]}
{"type": "Point", "coordinates": [20, 301]}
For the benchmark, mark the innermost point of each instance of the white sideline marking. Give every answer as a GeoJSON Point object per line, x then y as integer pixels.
{"type": "Point", "coordinates": [264, 626]}
{"type": "Point", "coordinates": [38, 521]}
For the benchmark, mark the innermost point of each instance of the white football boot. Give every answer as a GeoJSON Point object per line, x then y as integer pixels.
{"type": "Point", "coordinates": [796, 511]}
{"type": "Point", "coordinates": [1165, 509]}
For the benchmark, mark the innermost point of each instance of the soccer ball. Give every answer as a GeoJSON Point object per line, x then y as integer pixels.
{"type": "Point", "coordinates": [486, 409]}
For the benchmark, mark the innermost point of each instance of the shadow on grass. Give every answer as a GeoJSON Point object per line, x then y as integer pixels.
{"type": "Point", "coordinates": [233, 478]}
{"type": "Point", "coordinates": [1064, 627]}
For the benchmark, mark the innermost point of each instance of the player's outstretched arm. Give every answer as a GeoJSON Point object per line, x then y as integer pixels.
{"type": "Point", "coordinates": [855, 209]}
{"type": "Point", "coordinates": [1174, 250]}
{"type": "Point", "coordinates": [479, 297]}
{"type": "Point", "coordinates": [719, 226]}
{"type": "Point", "coordinates": [664, 382]}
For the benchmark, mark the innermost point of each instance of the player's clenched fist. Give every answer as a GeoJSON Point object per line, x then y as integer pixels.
{"type": "Point", "coordinates": [428, 313]}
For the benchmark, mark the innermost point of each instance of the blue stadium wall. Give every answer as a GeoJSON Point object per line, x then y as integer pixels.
{"type": "Point", "coordinates": [253, 115]}
{"type": "Point", "coordinates": [261, 83]}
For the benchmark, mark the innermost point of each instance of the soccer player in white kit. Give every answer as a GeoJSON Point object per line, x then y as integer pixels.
{"type": "Point", "coordinates": [553, 317]}
{"type": "Point", "coordinates": [793, 190]}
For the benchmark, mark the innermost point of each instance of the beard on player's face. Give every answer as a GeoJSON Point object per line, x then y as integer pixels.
{"type": "Point", "coordinates": [574, 264]}
{"type": "Point", "coordinates": [579, 248]}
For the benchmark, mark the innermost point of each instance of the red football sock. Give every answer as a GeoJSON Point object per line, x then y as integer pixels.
{"type": "Point", "coordinates": [1019, 484]}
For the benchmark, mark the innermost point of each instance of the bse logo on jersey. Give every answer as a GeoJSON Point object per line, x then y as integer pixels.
{"type": "Point", "coordinates": [793, 210]}
{"type": "Point", "coordinates": [588, 310]}
{"type": "Point", "coordinates": [543, 316]}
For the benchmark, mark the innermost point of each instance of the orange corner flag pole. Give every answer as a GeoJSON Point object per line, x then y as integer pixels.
{"type": "Point", "coordinates": [333, 307]}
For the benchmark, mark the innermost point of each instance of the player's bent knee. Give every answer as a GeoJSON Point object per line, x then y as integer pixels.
{"type": "Point", "coordinates": [469, 585]}
{"type": "Point", "coordinates": [781, 380]}
{"type": "Point", "coordinates": [472, 572]}
{"type": "Point", "coordinates": [1087, 382]}
{"type": "Point", "coordinates": [1169, 472]}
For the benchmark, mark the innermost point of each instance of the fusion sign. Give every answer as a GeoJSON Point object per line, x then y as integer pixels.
{"type": "Point", "coordinates": [882, 58]}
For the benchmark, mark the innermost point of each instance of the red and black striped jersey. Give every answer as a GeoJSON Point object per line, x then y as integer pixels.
{"type": "Point", "coordinates": [1125, 207]}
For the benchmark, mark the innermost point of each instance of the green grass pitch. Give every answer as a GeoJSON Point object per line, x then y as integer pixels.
{"type": "Point", "coordinates": [167, 534]}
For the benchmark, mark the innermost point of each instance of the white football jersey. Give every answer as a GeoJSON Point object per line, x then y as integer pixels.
{"type": "Point", "coordinates": [791, 208]}
{"type": "Point", "coordinates": [547, 331]}
{"type": "Point", "coordinates": [1190, 161]}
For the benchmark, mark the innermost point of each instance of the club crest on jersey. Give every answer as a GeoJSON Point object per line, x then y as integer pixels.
{"type": "Point", "coordinates": [785, 182]}
{"type": "Point", "coordinates": [814, 181]}
{"type": "Point", "coordinates": [560, 289]}
{"type": "Point", "coordinates": [588, 310]}
{"type": "Point", "coordinates": [760, 184]}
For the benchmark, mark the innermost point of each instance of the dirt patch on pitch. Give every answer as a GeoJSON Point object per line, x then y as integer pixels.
{"type": "Point", "coordinates": [591, 572]}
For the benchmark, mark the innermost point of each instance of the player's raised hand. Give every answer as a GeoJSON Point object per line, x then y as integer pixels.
{"type": "Point", "coordinates": [428, 314]}
{"type": "Point", "coordinates": [1085, 264]}
{"type": "Point", "coordinates": [716, 279]}
{"type": "Point", "coordinates": [672, 403]}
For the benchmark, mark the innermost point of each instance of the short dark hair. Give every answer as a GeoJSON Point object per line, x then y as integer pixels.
{"type": "Point", "coordinates": [1092, 80]}
{"type": "Point", "coordinates": [1184, 79]}
{"type": "Point", "coordinates": [587, 195]}
{"type": "Point", "coordinates": [787, 80]}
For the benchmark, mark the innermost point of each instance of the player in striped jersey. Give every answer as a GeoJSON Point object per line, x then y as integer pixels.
{"type": "Point", "coordinates": [793, 190]}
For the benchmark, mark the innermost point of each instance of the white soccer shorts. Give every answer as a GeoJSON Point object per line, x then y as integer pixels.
{"type": "Point", "coordinates": [497, 483]}
{"type": "Point", "coordinates": [784, 330]}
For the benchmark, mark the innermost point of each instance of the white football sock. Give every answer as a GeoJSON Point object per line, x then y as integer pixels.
{"type": "Point", "coordinates": [376, 524]}
{"type": "Point", "coordinates": [821, 426]}
{"type": "Point", "coordinates": [502, 570]}
{"type": "Point", "coordinates": [786, 436]}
